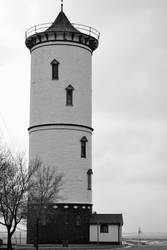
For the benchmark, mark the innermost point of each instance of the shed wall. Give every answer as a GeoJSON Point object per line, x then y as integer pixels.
{"type": "Point", "coordinates": [111, 236]}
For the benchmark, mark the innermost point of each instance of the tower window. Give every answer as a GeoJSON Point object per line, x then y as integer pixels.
{"type": "Point", "coordinates": [69, 95]}
{"type": "Point", "coordinates": [89, 174]}
{"type": "Point", "coordinates": [55, 69]}
{"type": "Point", "coordinates": [83, 146]}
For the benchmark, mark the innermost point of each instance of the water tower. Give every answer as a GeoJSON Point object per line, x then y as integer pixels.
{"type": "Point", "coordinates": [60, 131]}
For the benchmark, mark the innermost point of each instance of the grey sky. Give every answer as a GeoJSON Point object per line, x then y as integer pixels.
{"type": "Point", "coordinates": [129, 98]}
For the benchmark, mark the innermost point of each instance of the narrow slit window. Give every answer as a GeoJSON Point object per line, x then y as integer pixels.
{"type": "Point", "coordinates": [55, 69]}
{"type": "Point", "coordinates": [69, 95]}
{"type": "Point", "coordinates": [83, 147]}
{"type": "Point", "coordinates": [89, 176]}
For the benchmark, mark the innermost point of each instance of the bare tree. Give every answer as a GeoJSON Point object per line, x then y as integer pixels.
{"type": "Point", "coordinates": [44, 191]}
{"type": "Point", "coordinates": [21, 185]}
{"type": "Point", "coordinates": [46, 185]}
{"type": "Point", "coordinates": [15, 183]}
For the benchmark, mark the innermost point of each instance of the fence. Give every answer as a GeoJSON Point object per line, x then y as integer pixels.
{"type": "Point", "coordinates": [19, 237]}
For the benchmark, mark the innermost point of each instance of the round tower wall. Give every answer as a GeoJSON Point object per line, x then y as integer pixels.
{"type": "Point", "coordinates": [48, 97]}
{"type": "Point", "coordinates": [55, 128]}
{"type": "Point", "coordinates": [60, 147]}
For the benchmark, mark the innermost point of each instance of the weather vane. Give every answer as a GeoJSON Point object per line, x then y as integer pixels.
{"type": "Point", "coordinates": [61, 5]}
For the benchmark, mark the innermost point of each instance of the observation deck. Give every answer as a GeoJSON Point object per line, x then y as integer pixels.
{"type": "Point", "coordinates": [62, 30]}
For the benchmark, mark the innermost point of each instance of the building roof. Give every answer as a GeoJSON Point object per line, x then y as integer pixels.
{"type": "Point", "coordinates": [62, 23]}
{"type": "Point", "coordinates": [106, 218]}
{"type": "Point", "coordinates": [62, 30]}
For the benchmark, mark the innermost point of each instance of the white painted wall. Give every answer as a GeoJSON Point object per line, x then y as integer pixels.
{"type": "Point", "coordinates": [48, 97]}
{"type": "Point", "coordinates": [111, 236]}
{"type": "Point", "coordinates": [59, 146]}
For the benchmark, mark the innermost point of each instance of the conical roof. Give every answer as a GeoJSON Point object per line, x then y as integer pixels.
{"type": "Point", "coordinates": [62, 23]}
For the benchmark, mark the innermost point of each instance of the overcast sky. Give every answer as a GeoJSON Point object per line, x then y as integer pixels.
{"type": "Point", "coordinates": [129, 99]}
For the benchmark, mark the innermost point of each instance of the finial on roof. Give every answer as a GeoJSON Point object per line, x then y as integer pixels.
{"type": "Point", "coordinates": [61, 5]}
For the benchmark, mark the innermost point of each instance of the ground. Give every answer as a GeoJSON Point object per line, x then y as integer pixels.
{"type": "Point", "coordinates": [147, 248]}
{"type": "Point", "coordinates": [128, 245]}
{"type": "Point", "coordinates": [79, 247]}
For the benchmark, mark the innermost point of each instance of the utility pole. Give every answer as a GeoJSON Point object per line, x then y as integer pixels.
{"type": "Point", "coordinates": [139, 234]}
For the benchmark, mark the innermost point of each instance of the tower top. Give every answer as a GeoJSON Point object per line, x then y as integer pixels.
{"type": "Point", "coordinates": [62, 23]}
{"type": "Point", "coordinates": [62, 30]}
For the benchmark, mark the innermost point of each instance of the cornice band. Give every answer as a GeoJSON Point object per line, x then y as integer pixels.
{"type": "Point", "coordinates": [60, 124]}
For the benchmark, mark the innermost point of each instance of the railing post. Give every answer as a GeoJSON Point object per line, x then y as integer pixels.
{"type": "Point", "coordinates": [89, 31]}
{"type": "Point", "coordinates": [35, 29]}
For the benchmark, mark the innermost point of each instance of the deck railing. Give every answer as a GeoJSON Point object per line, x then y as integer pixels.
{"type": "Point", "coordinates": [80, 27]}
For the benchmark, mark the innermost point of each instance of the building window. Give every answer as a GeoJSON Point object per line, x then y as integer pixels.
{"type": "Point", "coordinates": [78, 220]}
{"type": "Point", "coordinates": [83, 147]}
{"type": "Point", "coordinates": [55, 69]}
{"type": "Point", "coordinates": [69, 95]}
{"type": "Point", "coordinates": [104, 228]}
{"type": "Point", "coordinates": [89, 175]}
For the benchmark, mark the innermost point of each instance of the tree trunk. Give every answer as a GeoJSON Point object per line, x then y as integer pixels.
{"type": "Point", "coordinates": [37, 233]}
{"type": "Point", "coordinates": [9, 245]}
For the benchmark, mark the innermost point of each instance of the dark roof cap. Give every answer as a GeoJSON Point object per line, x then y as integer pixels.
{"type": "Point", "coordinates": [62, 23]}
{"type": "Point", "coordinates": [106, 218]}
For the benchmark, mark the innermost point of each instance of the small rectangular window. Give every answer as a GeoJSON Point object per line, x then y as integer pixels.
{"type": "Point", "coordinates": [104, 228]}
{"type": "Point", "coordinates": [89, 181]}
{"type": "Point", "coordinates": [69, 97]}
{"type": "Point", "coordinates": [55, 75]}
{"type": "Point", "coordinates": [83, 149]}
{"type": "Point", "coordinates": [83, 146]}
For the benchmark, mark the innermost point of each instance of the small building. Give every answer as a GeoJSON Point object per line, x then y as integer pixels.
{"type": "Point", "coordinates": [106, 228]}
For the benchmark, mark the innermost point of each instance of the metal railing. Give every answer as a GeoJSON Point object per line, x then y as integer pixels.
{"type": "Point", "coordinates": [80, 27]}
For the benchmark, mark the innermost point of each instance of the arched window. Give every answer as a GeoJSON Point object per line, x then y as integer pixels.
{"type": "Point", "coordinates": [89, 174]}
{"type": "Point", "coordinates": [55, 69]}
{"type": "Point", "coordinates": [69, 95]}
{"type": "Point", "coordinates": [83, 146]}
{"type": "Point", "coordinates": [78, 220]}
